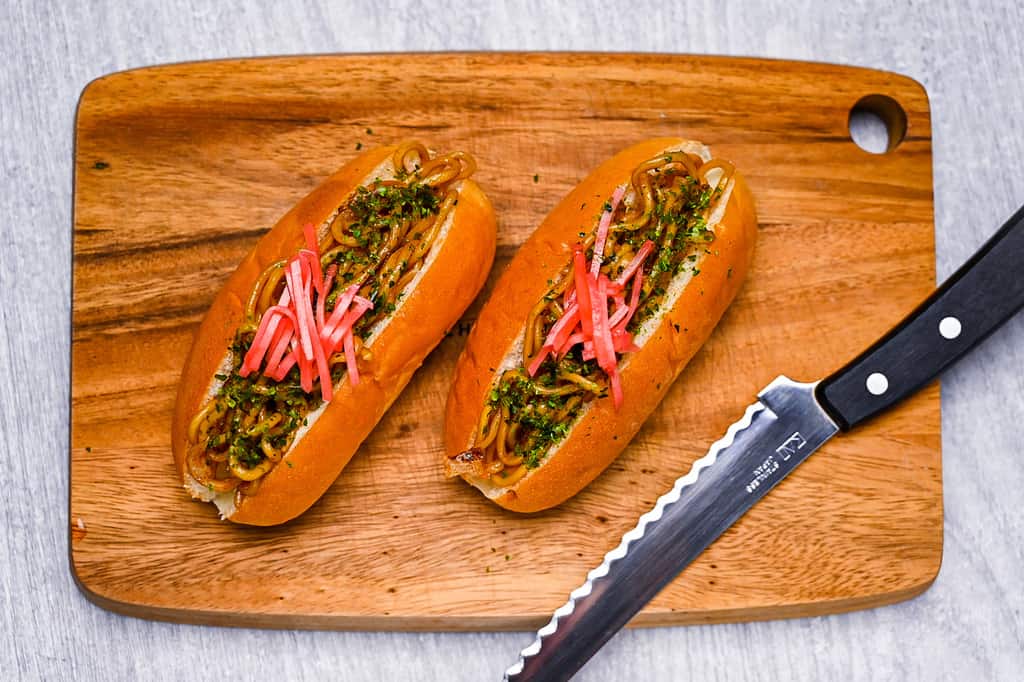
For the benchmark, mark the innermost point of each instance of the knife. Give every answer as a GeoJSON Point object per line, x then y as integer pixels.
{"type": "Point", "coordinates": [787, 423]}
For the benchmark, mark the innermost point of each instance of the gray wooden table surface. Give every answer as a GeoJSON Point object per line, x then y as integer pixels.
{"type": "Point", "coordinates": [969, 626]}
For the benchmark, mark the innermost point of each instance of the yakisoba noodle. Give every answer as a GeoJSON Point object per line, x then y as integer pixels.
{"type": "Point", "coordinates": [379, 240]}
{"type": "Point", "coordinates": [667, 202]}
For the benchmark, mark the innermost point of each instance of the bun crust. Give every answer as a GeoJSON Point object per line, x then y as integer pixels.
{"type": "Point", "coordinates": [601, 432]}
{"type": "Point", "coordinates": [456, 274]}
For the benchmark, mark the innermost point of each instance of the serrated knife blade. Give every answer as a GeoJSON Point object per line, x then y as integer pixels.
{"type": "Point", "coordinates": [778, 432]}
{"type": "Point", "coordinates": [787, 424]}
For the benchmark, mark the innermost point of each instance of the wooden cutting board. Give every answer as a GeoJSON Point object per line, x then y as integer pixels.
{"type": "Point", "coordinates": [179, 169]}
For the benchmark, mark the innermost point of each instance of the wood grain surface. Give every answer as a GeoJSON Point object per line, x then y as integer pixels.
{"type": "Point", "coordinates": [179, 169]}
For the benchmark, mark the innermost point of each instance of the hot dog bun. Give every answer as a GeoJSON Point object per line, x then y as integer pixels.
{"type": "Point", "coordinates": [453, 273]}
{"type": "Point", "coordinates": [667, 342]}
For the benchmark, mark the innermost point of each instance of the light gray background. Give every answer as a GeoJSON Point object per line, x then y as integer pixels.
{"type": "Point", "coordinates": [969, 626]}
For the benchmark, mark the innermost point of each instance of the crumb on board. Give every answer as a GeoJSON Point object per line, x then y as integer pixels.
{"type": "Point", "coordinates": [77, 529]}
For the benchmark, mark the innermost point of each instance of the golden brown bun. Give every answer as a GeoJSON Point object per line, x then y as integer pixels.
{"type": "Point", "coordinates": [601, 432]}
{"type": "Point", "coordinates": [446, 289]}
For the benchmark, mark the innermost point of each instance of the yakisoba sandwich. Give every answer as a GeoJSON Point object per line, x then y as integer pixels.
{"type": "Point", "coordinates": [596, 315]}
{"type": "Point", "coordinates": [322, 326]}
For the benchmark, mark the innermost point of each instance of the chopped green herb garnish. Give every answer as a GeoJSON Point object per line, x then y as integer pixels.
{"type": "Point", "coordinates": [543, 408]}
{"type": "Point", "coordinates": [374, 213]}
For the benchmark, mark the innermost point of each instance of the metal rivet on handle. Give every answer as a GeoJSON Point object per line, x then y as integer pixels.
{"type": "Point", "coordinates": [950, 328]}
{"type": "Point", "coordinates": [877, 383]}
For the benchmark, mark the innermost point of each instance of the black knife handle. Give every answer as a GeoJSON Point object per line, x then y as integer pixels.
{"type": "Point", "coordinates": [969, 306]}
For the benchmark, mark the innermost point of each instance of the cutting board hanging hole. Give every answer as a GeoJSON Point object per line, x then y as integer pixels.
{"type": "Point", "coordinates": [878, 124]}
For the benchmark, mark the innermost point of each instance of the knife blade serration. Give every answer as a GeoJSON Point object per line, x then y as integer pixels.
{"type": "Point", "coordinates": [775, 434]}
